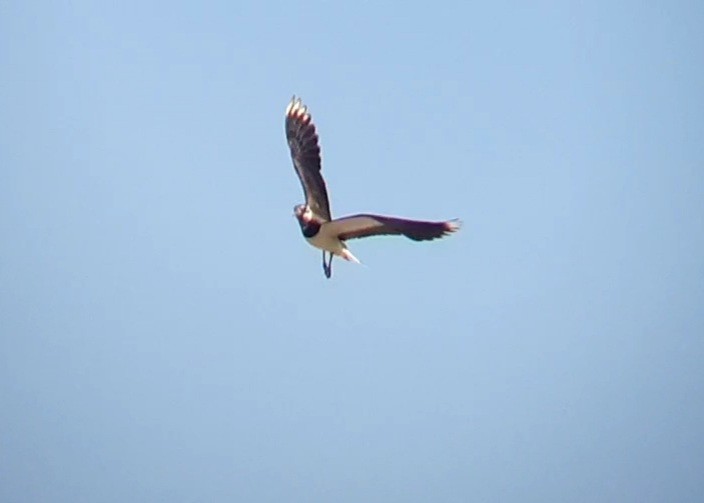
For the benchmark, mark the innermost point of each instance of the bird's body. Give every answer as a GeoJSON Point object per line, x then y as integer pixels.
{"type": "Point", "coordinates": [318, 227]}
{"type": "Point", "coordinates": [322, 235]}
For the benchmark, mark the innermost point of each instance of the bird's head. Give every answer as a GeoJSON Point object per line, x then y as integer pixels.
{"type": "Point", "coordinates": [303, 213]}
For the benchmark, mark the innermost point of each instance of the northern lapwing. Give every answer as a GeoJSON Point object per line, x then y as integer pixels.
{"type": "Point", "coordinates": [317, 225]}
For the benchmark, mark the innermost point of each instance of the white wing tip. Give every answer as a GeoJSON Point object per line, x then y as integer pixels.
{"type": "Point", "coordinates": [296, 108]}
{"type": "Point", "coordinates": [453, 225]}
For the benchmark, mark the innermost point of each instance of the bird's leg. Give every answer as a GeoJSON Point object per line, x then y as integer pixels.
{"type": "Point", "coordinates": [330, 265]}
{"type": "Point", "coordinates": [327, 267]}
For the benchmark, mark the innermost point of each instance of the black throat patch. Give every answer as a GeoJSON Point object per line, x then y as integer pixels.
{"type": "Point", "coordinates": [309, 229]}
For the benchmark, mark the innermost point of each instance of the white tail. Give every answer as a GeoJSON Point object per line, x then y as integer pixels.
{"type": "Point", "coordinates": [347, 255]}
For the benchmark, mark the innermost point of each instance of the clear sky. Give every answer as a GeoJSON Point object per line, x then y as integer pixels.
{"type": "Point", "coordinates": [166, 334]}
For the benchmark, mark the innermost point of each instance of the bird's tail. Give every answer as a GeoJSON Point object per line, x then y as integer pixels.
{"type": "Point", "coordinates": [347, 255]}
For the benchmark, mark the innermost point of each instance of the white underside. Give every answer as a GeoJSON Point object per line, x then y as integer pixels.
{"type": "Point", "coordinates": [331, 244]}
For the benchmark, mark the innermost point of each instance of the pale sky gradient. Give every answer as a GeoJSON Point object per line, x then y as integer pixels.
{"type": "Point", "coordinates": [166, 335]}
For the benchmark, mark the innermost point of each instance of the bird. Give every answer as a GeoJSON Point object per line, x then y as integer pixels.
{"type": "Point", "coordinates": [314, 217]}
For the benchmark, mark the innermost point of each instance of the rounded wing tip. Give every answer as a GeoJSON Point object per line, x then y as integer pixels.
{"type": "Point", "coordinates": [453, 225]}
{"type": "Point", "coordinates": [296, 108]}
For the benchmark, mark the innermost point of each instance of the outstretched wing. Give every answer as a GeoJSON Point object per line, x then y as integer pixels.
{"type": "Point", "coordinates": [305, 153]}
{"type": "Point", "coordinates": [361, 226]}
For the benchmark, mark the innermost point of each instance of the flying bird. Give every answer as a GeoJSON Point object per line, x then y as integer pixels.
{"type": "Point", "coordinates": [317, 225]}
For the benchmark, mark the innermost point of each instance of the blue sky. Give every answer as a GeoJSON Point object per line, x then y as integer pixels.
{"type": "Point", "coordinates": [167, 335]}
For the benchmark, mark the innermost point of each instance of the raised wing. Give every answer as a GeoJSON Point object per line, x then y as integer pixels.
{"type": "Point", "coordinates": [361, 226]}
{"type": "Point", "coordinates": [305, 153]}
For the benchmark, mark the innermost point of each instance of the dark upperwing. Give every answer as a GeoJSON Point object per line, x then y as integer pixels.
{"type": "Point", "coordinates": [361, 226]}
{"type": "Point", "coordinates": [305, 153]}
